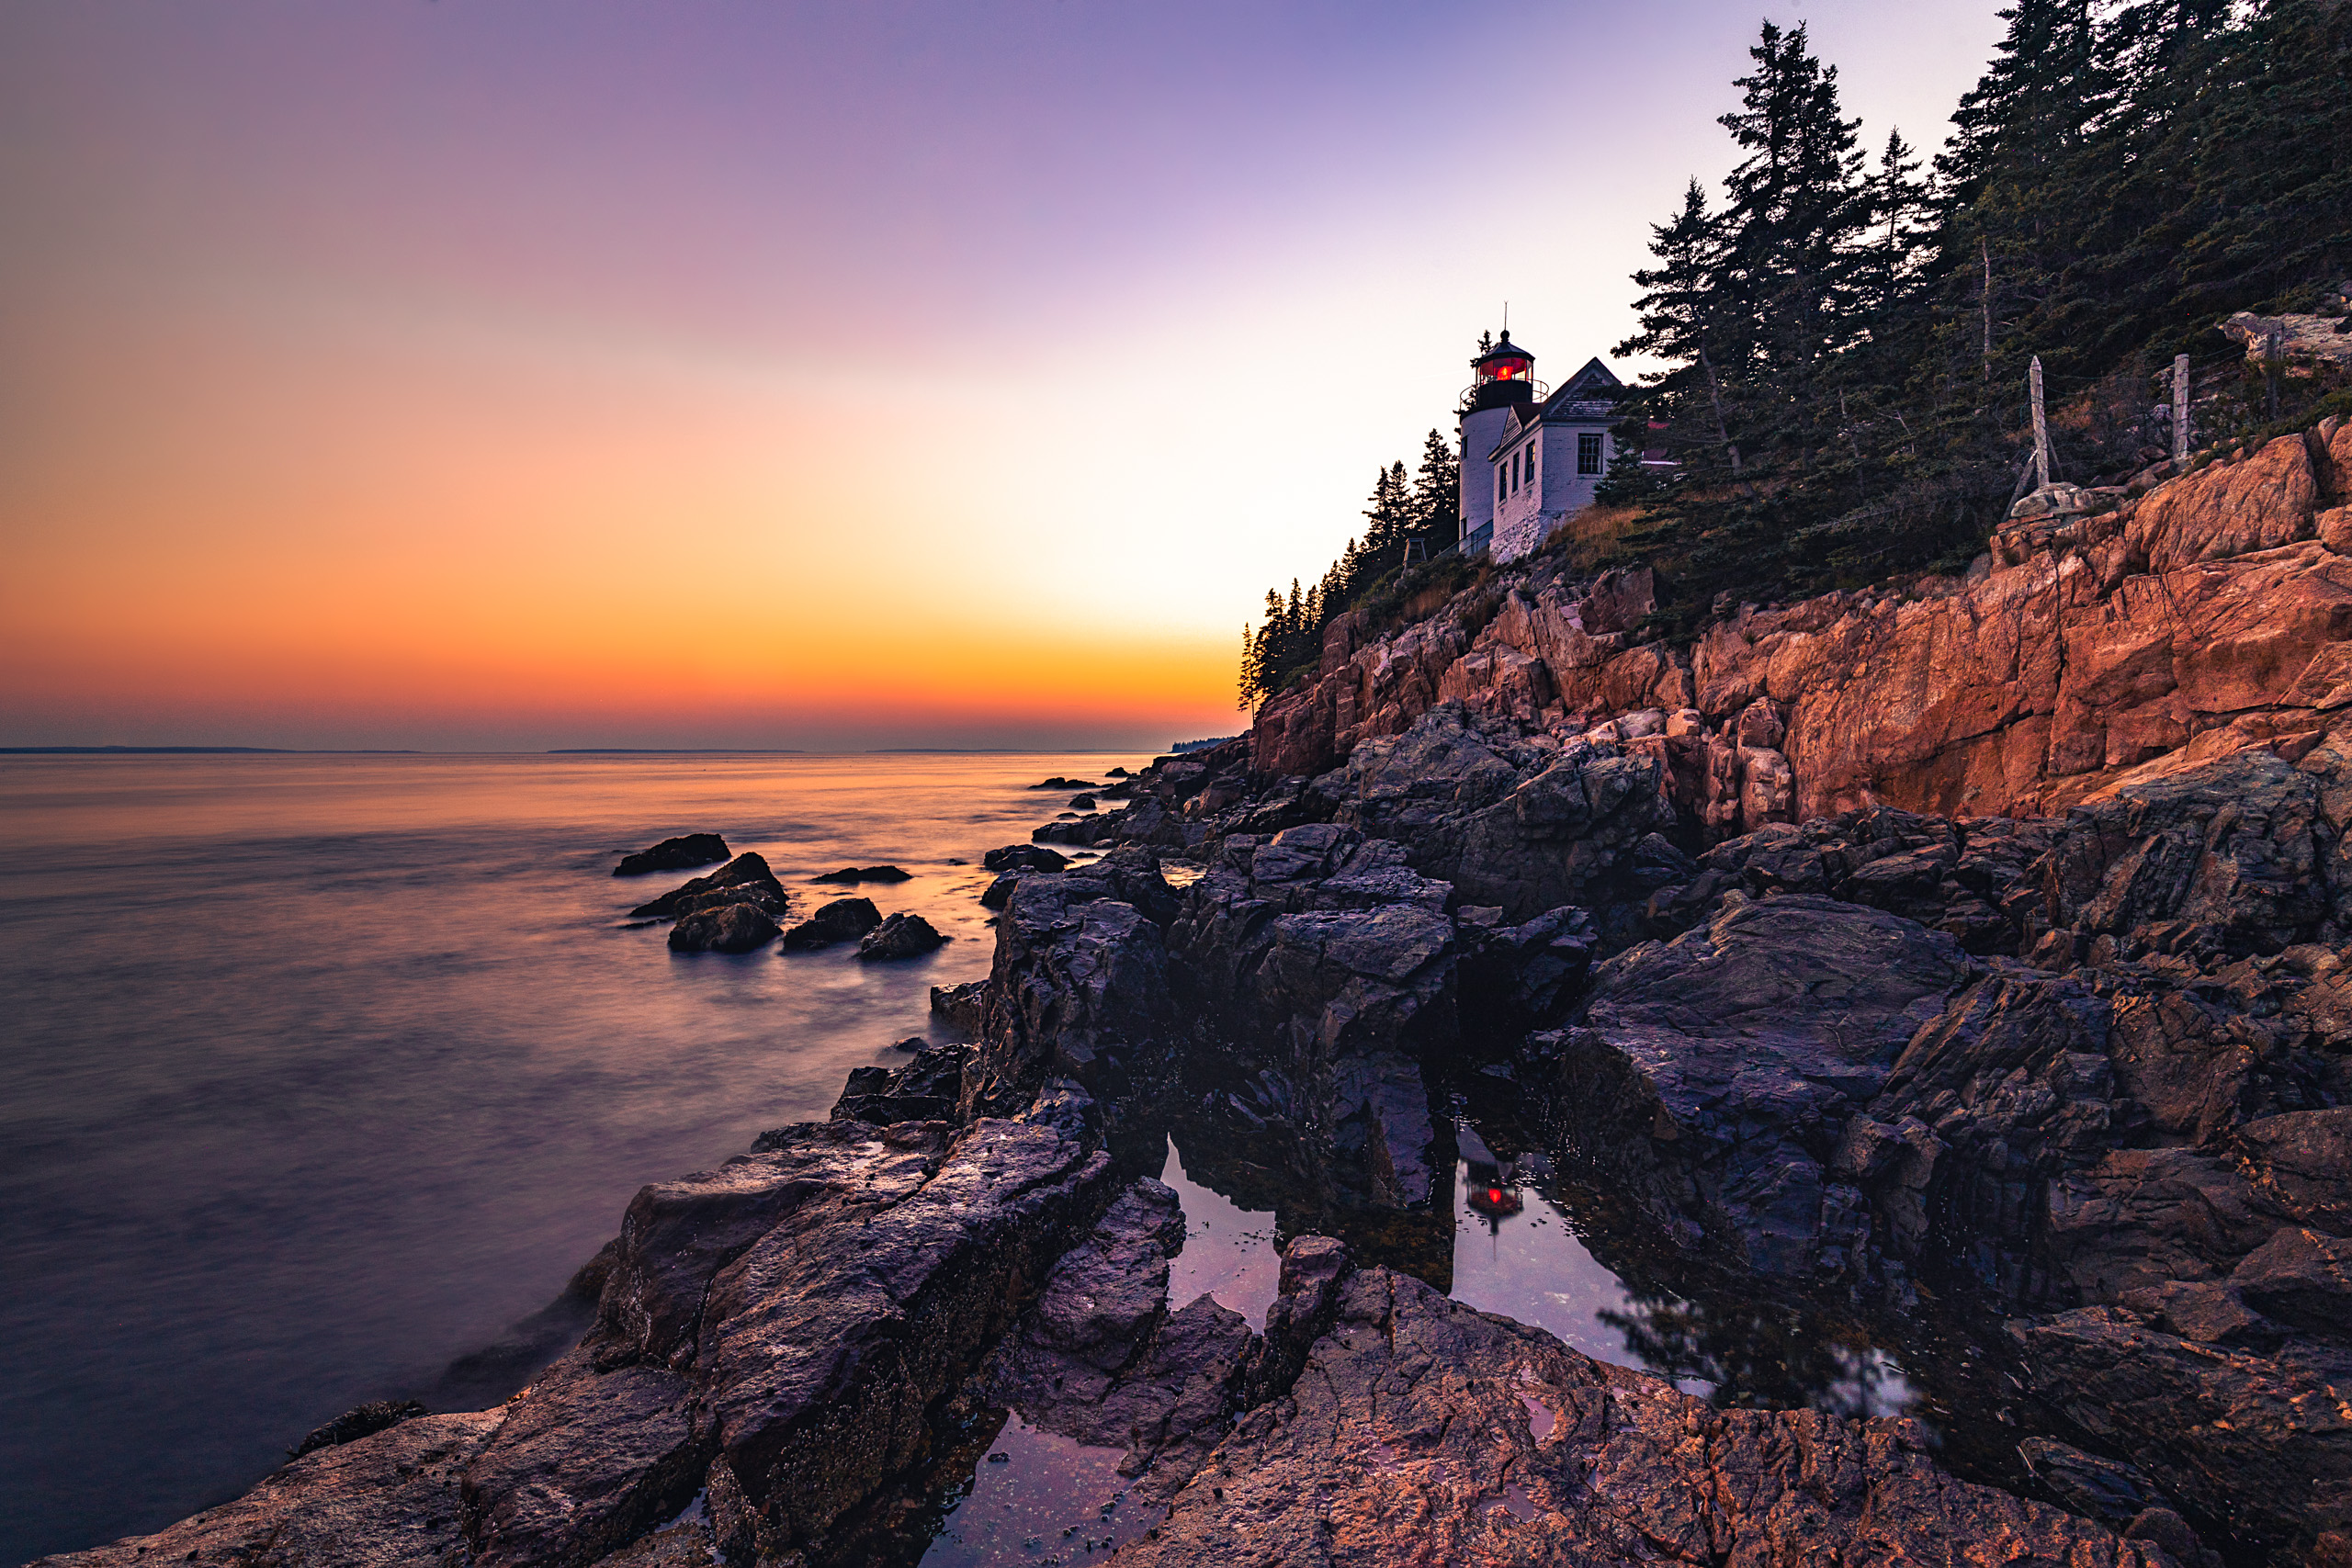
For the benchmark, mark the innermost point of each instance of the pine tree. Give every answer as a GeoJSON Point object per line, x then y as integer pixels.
{"type": "Point", "coordinates": [1436, 501]}
{"type": "Point", "coordinates": [1900, 210]}
{"type": "Point", "coordinates": [1789, 258]}
{"type": "Point", "coordinates": [1677, 311]}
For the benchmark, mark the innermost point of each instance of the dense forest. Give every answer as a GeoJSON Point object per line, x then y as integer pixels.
{"type": "Point", "coordinates": [1845, 331]}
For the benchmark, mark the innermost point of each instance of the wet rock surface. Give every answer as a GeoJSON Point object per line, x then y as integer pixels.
{"type": "Point", "coordinates": [1420, 1429]}
{"type": "Point", "coordinates": [389, 1500]}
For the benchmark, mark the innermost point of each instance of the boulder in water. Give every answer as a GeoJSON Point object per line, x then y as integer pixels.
{"type": "Point", "coordinates": [1023, 857]}
{"type": "Point", "coordinates": [853, 873]}
{"type": "Point", "coordinates": [746, 879]}
{"type": "Point", "coordinates": [674, 854]}
{"type": "Point", "coordinates": [843, 920]}
{"type": "Point", "coordinates": [730, 927]}
{"type": "Point", "coordinates": [900, 936]}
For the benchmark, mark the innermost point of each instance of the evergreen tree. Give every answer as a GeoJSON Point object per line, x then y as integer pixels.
{"type": "Point", "coordinates": [1679, 312]}
{"type": "Point", "coordinates": [1900, 209]}
{"type": "Point", "coordinates": [1789, 263]}
{"type": "Point", "coordinates": [1390, 514]}
{"type": "Point", "coordinates": [1436, 501]}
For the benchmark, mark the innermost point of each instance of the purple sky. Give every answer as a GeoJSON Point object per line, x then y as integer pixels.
{"type": "Point", "coordinates": [1065, 326]}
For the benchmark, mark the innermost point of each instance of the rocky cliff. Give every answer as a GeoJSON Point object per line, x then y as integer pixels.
{"type": "Point", "coordinates": [2209, 614]}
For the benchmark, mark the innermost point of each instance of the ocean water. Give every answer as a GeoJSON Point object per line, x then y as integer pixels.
{"type": "Point", "coordinates": [320, 1072]}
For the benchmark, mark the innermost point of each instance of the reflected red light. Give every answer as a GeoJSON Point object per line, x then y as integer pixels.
{"type": "Point", "coordinates": [1494, 1194]}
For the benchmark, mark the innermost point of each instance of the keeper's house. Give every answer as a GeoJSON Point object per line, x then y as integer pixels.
{"type": "Point", "coordinates": [1530, 456]}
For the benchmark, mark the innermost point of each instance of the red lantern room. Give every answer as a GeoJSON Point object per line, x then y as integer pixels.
{"type": "Point", "coordinates": [1506, 376]}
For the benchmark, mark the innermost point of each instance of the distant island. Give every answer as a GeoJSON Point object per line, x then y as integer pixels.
{"type": "Point", "coordinates": [673, 751]}
{"type": "Point", "coordinates": [203, 751]}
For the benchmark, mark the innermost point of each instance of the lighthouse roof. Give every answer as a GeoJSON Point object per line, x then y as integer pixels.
{"type": "Point", "coordinates": [1505, 349]}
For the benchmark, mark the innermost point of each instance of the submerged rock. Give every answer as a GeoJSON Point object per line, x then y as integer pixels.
{"type": "Point", "coordinates": [674, 854]}
{"type": "Point", "coordinates": [851, 873]}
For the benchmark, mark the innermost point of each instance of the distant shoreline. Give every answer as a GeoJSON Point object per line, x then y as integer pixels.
{"type": "Point", "coordinates": [206, 751]}
{"type": "Point", "coordinates": [575, 752]}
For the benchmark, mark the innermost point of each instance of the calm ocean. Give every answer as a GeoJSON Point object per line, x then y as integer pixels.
{"type": "Point", "coordinates": [322, 1071]}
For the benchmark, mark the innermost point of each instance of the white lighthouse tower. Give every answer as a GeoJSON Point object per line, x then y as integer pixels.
{"type": "Point", "coordinates": [1505, 382]}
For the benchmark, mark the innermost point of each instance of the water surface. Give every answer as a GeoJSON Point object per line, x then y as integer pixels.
{"type": "Point", "coordinates": [322, 1071]}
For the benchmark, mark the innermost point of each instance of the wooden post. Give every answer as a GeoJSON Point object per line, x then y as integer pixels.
{"type": "Point", "coordinates": [2041, 431]}
{"type": "Point", "coordinates": [2179, 407]}
{"type": "Point", "coordinates": [2273, 346]}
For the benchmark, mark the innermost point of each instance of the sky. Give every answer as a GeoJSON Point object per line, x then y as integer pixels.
{"type": "Point", "coordinates": [488, 376]}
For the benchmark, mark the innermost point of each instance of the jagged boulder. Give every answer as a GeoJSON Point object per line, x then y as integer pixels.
{"type": "Point", "coordinates": [1023, 857]}
{"type": "Point", "coordinates": [843, 920]}
{"type": "Point", "coordinates": [1420, 1430]}
{"type": "Point", "coordinates": [745, 880]}
{"type": "Point", "coordinates": [1714, 1075]}
{"type": "Point", "coordinates": [901, 935]}
{"type": "Point", "coordinates": [1101, 1359]}
{"type": "Point", "coordinates": [729, 928]}
{"type": "Point", "coordinates": [925, 1089]}
{"type": "Point", "coordinates": [1080, 984]}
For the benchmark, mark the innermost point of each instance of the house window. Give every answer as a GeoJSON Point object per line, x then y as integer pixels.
{"type": "Point", "coordinates": [1588, 454]}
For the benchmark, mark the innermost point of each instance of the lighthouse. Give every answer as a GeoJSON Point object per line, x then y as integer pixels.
{"type": "Point", "coordinates": [1506, 381]}
{"type": "Point", "coordinates": [1530, 456]}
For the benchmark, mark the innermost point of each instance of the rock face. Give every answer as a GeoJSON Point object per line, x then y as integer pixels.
{"type": "Point", "coordinates": [774, 1330]}
{"type": "Point", "coordinates": [1717, 1072]}
{"type": "Point", "coordinates": [899, 936]}
{"type": "Point", "coordinates": [1080, 987]}
{"type": "Point", "coordinates": [674, 854]}
{"type": "Point", "coordinates": [2211, 610]}
{"type": "Point", "coordinates": [843, 920]}
{"type": "Point", "coordinates": [1101, 1359]}
{"type": "Point", "coordinates": [1420, 1431]}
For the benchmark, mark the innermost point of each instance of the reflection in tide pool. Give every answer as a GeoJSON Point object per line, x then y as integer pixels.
{"type": "Point", "coordinates": [1229, 1252]}
{"type": "Point", "coordinates": [1518, 1253]}
{"type": "Point", "coordinates": [1527, 1265]}
{"type": "Point", "coordinates": [1038, 1500]}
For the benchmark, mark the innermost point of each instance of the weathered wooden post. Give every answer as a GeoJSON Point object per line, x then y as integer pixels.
{"type": "Point", "coordinates": [2274, 345]}
{"type": "Point", "coordinates": [2179, 407]}
{"type": "Point", "coordinates": [2041, 431]}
